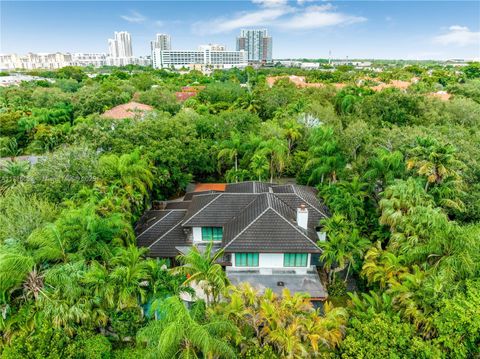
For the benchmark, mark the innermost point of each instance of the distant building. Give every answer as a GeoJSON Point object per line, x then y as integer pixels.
{"type": "Point", "coordinates": [120, 51]}
{"type": "Point", "coordinates": [162, 42]}
{"type": "Point", "coordinates": [32, 61]}
{"type": "Point", "coordinates": [89, 59]}
{"type": "Point", "coordinates": [120, 45]}
{"type": "Point", "coordinates": [211, 56]}
{"type": "Point", "coordinates": [257, 44]}
{"type": "Point", "coordinates": [212, 47]}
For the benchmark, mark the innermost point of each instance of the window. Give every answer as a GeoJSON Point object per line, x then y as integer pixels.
{"type": "Point", "coordinates": [295, 259]}
{"type": "Point", "coordinates": [246, 259]}
{"type": "Point", "coordinates": [212, 234]}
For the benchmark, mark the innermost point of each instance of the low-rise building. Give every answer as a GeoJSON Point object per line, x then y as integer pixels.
{"type": "Point", "coordinates": [268, 232]}
{"type": "Point", "coordinates": [199, 59]}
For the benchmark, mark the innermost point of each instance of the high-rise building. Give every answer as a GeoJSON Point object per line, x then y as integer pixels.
{"type": "Point", "coordinates": [256, 43]}
{"type": "Point", "coordinates": [121, 45]}
{"type": "Point", "coordinates": [162, 42]}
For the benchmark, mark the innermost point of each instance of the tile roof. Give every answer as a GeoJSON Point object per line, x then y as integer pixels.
{"type": "Point", "coordinates": [214, 210]}
{"type": "Point", "coordinates": [267, 225]}
{"type": "Point", "coordinates": [200, 187]}
{"type": "Point", "coordinates": [255, 216]}
{"type": "Point", "coordinates": [127, 110]}
{"type": "Point", "coordinates": [164, 235]}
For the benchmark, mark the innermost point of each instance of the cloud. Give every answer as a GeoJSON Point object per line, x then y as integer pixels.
{"type": "Point", "coordinates": [270, 3]}
{"type": "Point", "coordinates": [458, 35]}
{"type": "Point", "coordinates": [279, 14]}
{"type": "Point", "coordinates": [266, 15]}
{"type": "Point", "coordinates": [134, 17]}
{"type": "Point", "coordinates": [159, 23]}
{"type": "Point", "coordinates": [319, 16]}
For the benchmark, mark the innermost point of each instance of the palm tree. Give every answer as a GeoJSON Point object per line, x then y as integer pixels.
{"type": "Point", "coordinates": [324, 156]}
{"type": "Point", "coordinates": [130, 170]}
{"type": "Point", "coordinates": [399, 198]}
{"type": "Point", "coordinates": [434, 161]}
{"type": "Point", "coordinates": [182, 333]}
{"type": "Point", "coordinates": [259, 165]}
{"type": "Point", "coordinates": [292, 130]}
{"type": "Point", "coordinates": [230, 149]}
{"type": "Point", "coordinates": [385, 166]}
{"type": "Point", "coordinates": [9, 147]}
{"type": "Point", "coordinates": [275, 150]}
{"type": "Point", "coordinates": [91, 235]}
{"type": "Point", "coordinates": [203, 269]}
{"type": "Point", "coordinates": [15, 265]}
{"type": "Point", "coordinates": [49, 244]}
{"type": "Point", "coordinates": [129, 275]}
{"type": "Point", "coordinates": [382, 266]}
{"type": "Point", "coordinates": [12, 173]}
{"type": "Point", "coordinates": [343, 247]}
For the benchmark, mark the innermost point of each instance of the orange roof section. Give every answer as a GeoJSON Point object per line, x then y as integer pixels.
{"type": "Point", "coordinates": [199, 187]}
{"type": "Point", "coordinates": [127, 110]}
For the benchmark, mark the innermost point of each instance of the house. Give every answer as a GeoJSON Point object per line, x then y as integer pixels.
{"type": "Point", "coordinates": [269, 232]}
{"type": "Point", "coordinates": [128, 110]}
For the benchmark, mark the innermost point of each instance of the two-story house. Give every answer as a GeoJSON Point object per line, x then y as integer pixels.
{"type": "Point", "coordinates": [269, 232]}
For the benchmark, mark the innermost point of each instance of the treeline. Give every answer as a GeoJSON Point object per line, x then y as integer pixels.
{"type": "Point", "coordinates": [398, 170]}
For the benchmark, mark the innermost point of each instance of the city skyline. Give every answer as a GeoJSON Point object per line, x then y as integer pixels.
{"type": "Point", "coordinates": [310, 29]}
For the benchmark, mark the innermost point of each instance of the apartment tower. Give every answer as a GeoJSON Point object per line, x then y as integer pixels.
{"type": "Point", "coordinates": [256, 43]}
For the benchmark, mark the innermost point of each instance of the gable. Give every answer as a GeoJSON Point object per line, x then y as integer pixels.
{"type": "Point", "coordinates": [272, 233]}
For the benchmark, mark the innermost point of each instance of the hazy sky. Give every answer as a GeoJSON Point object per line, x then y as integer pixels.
{"type": "Point", "coordinates": [303, 28]}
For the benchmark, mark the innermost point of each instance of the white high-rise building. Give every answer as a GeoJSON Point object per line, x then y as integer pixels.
{"type": "Point", "coordinates": [256, 43]}
{"type": "Point", "coordinates": [120, 49]}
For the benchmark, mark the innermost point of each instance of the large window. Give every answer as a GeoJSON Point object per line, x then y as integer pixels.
{"type": "Point", "coordinates": [246, 259]}
{"type": "Point", "coordinates": [295, 259]}
{"type": "Point", "coordinates": [212, 234]}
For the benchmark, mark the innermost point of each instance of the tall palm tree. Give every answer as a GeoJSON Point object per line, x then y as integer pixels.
{"type": "Point", "coordinates": [129, 275]}
{"type": "Point", "coordinates": [384, 167]}
{"type": "Point", "coordinates": [230, 149]}
{"type": "Point", "coordinates": [202, 268]}
{"type": "Point", "coordinates": [343, 247]}
{"type": "Point", "coordinates": [275, 149]}
{"type": "Point", "coordinates": [434, 160]}
{"type": "Point", "coordinates": [325, 157]}
{"type": "Point", "coordinates": [130, 170]}
{"type": "Point", "coordinates": [259, 165]}
{"type": "Point", "coordinates": [182, 333]}
{"type": "Point", "coordinates": [292, 130]}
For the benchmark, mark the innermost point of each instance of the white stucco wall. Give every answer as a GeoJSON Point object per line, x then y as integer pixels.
{"type": "Point", "coordinates": [272, 261]}
{"type": "Point", "coordinates": [197, 234]}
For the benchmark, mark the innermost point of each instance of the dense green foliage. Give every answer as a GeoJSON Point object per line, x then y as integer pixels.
{"type": "Point", "coordinates": [399, 171]}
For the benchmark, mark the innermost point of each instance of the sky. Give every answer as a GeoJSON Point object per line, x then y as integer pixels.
{"type": "Point", "coordinates": [414, 30]}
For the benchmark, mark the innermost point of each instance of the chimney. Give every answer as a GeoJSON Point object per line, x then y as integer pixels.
{"type": "Point", "coordinates": [302, 216]}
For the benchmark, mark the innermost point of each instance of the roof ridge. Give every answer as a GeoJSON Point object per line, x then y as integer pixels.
{"type": "Point", "coordinates": [165, 216]}
{"type": "Point", "coordinates": [201, 209]}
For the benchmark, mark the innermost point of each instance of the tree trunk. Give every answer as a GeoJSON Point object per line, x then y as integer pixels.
{"type": "Point", "coordinates": [348, 271]}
